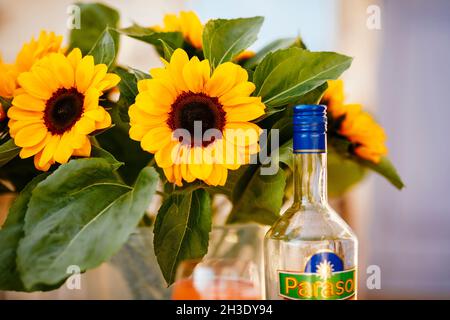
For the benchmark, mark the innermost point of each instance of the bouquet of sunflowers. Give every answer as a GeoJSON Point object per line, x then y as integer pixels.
{"type": "Point", "coordinates": [87, 142]}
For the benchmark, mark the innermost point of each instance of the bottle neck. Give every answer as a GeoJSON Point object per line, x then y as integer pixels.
{"type": "Point", "coordinates": [310, 178]}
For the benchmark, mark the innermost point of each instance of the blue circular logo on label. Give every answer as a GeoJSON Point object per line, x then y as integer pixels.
{"type": "Point", "coordinates": [318, 261]}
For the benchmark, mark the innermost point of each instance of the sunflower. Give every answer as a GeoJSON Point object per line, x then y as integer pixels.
{"type": "Point", "coordinates": [58, 106]}
{"type": "Point", "coordinates": [334, 97]}
{"type": "Point", "coordinates": [196, 123]}
{"type": "Point", "coordinates": [188, 23]}
{"type": "Point", "coordinates": [8, 75]}
{"type": "Point", "coordinates": [36, 49]}
{"type": "Point", "coordinates": [244, 56]}
{"type": "Point", "coordinates": [366, 135]}
{"type": "Point", "coordinates": [46, 43]}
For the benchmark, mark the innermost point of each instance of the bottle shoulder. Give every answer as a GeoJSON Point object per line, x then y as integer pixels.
{"type": "Point", "coordinates": [310, 223]}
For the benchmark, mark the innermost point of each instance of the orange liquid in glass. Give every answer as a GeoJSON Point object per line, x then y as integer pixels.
{"type": "Point", "coordinates": [219, 289]}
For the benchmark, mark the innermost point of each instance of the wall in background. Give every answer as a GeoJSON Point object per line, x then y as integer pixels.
{"type": "Point", "coordinates": [316, 21]}
{"type": "Point", "coordinates": [410, 229]}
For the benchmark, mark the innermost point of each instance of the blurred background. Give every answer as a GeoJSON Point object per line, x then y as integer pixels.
{"type": "Point", "coordinates": [400, 73]}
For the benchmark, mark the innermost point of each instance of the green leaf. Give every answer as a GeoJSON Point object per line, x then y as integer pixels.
{"type": "Point", "coordinates": [258, 197]}
{"type": "Point", "coordinates": [80, 215]}
{"type": "Point", "coordinates": [128, 91]}
{"type": "Point", "coordinates": [127, 86]}
{"type": "Point", "coordinates": [271, 47]}
{"type": "Point", "coordinates": [117, 141]}
{"type": "Point", "coordinates": [285, 154]}
{"type": "Point", "coordinates": [127, 151]}
{"type": "Point", "coordinates": [225, 39]}
{"type": "Point", "coordinates": [314, 96]}
{"type": "Point", "coordinates": [386, 169]}
{"type": "Point", "coordinates": [10, 235]}
{"type": "Point", "coordinates": [104, 50]}
{"type": "Point", "coordinates": [98, 152]}
{"type": "Point", "coordinates": [173, 39]}
{"type": "Point", "coordinates": [285, 75]}
{"type": "Point", "coordinates": [343, 173]}
{"type": "Point", "coordinates": [140, 75]}
{"type": "Point", "coordinates": [168, 50]}
{"type": "Point", "coordinates": [182, 230]}
{"type": "Point", "coordinates": [299, 43]}
{"type": "Point", "coordinates": [95, 18]}
{"type": "Point", "coordinates": [8, 151]}
{"type": "Point", "coordinates": [5, 103]}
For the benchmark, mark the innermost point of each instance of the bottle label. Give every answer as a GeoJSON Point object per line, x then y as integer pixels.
{"type": "Point", "coordinates": [324, 278]}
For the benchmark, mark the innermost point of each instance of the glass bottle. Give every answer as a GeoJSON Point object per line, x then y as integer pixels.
{"type": "Point", "coordinates": [310, 252]}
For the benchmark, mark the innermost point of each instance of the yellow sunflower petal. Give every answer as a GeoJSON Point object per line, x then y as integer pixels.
{"type": "Point", "coordinates": [46, 76]}
{"type": "Point", "coordinates": [199, 167]}
{"type": "Point", "coordinates": [109, 81]}
{"type": "Point", "coordinates": [85, 150]}
{"type": "Point", "coordinates": [243, 89]}
{"type": "Point", "coordinates": [84, 73]}
{"type": "Point", "coordinates": [224, 78]}
{"type": "Point", "coordinates": [49, 150]}
{"type": "Point", "coordinates": [34, 86]}
{"type": "Point", "coordinates": [91, 98]}
{"type": "Point", "coordinates": [76, 139]}
{"type": "Point", "coordinates": [74, 58]}
{"type": "Point", "coordinates": [43, 166]}
{"type": "Point", "coordinates": [147, 103]}
{"type": "Point", "coordinates": [33, 150]}
{"type": "Point", "coordinates": [137, 132]}
{"type": "Point", "coordinates": [156, 138]}
{"type": "Point", "coordinates": [227, 154]}
{"type": "Point", "coordinates": [64, 149]}
{"type": "Point", "coordinates": [168, 172]}
{"type": "Point", "coordinates": [242, 133]}
{"type": "Point", "coordinates": [165, 156]}
{"type": "Point", "coordinates": [143, 85]}
{"type": "Point", "coordinates": [85, 125]}
{"type": "Point", "coordinates": [100, 71]}
{"type": "Point", "coordinates": [30, 135]}
{"type": "Point", "coordinates": [28, 102]}
{"type": "Point", "coordinates": [242, 101]}
{"type": "Point", "coordinates": [177, 62]}
{"type": "Point", "coordinates": [185, 173]}
{"type": "Point", "coordinates": [105, 123]}
{"type": "Point", "coordinates": [20, 114]}
{"type": "Point", "coordinates": [244, 113]}
{"type": "Point", "coordinates": [16, 125]}
{"type": "Point", "coordinates": [196, 74]}
{"type": "Point", "coordinates": [97, 114]}
{"type": "Point", "coordinates": [215, 176]}
{"type": "Point", "coordinates": [140, 117]}
{"type": "Point", "coordinates": [62, 70]}
{"type": "Point", "coordinates": [158, 92]}
{"type": "Point", "coordinates": [224, 176]}
{"type": "Point", "coordinates": [177, 175]}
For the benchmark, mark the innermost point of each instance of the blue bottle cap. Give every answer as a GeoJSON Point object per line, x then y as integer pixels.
{"type": "Point", "coordinates": [310, 125]}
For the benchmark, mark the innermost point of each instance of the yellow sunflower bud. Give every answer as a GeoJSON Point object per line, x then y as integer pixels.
{"type": "Point", "coordinates": [367, 136]}
{"type": "Point", "coordinates": [188, 23]}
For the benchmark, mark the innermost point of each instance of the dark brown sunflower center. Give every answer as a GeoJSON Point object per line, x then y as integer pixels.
{"type": "Point", "coordinates": [190, 110]}
{"type": "Point", "coordinates": [63, 110]}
